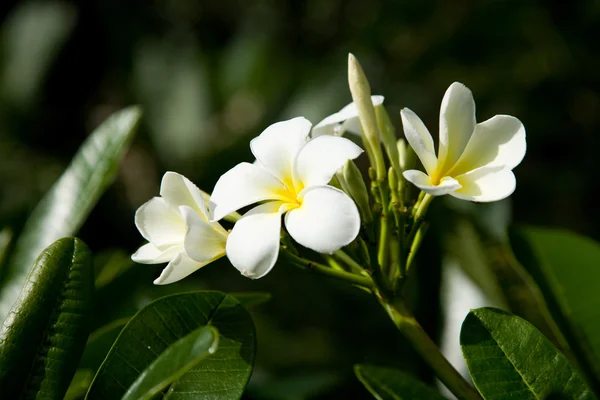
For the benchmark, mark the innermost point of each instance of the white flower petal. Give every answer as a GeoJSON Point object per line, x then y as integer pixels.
{"type": "Point", "coordinates": [202, 242]}
{"type": "Point", "coordinates": [150, 254]}
{"type": "Point", "coordinates": [253, 244]}
{"type": "Point", "coordinates": [180, 267]}
{"type": "Point", "coordinates": [243, 185]}
{"type": "Point", "coordinates": [326, 221]}
{"type": "Point", "coordinates": [419, 138]}
{"type": "Point", "coordinates": [329, 126]}
{"type": "Point", "coordinates": [457, 122]}
{"type": "Point", "coordinates": [348, 116]}
{"type": "Point", "coordinates": [320, 158]}
{"type": "Point", "coordinates": [499, 141]}
{"type": "Point", "coordinates": [422, 181]}
{"type": "Point", "coordinates": [159, 224]}
{"type": "Point", "coordinates": [177, 190]}
{"type": "Point", "coordinates": [486, 184]}
{"type": "Point", "coordinates": [278, 145]}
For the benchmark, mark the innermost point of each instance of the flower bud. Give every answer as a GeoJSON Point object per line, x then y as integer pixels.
{"type": "Point", "coordinates": [388, 137]}
{"type": "Point", "coordinates": [355, 185]}
{"type": "Point", "coordinates": [407, 155]}
{"type": "Point", "coordinates": [361, 95]}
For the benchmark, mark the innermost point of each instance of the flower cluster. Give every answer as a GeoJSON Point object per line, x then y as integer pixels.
{"type": "Point", "coordinates": [291, 180]}
{"type": "Point", "coordinates": [289, 177]}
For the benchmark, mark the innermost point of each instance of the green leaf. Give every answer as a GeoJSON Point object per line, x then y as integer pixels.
{"type": "Point", "coordinates": [172, 363]}
{"type": "Point", "coordinates": [99, 343]}
{"type": "Point", "coordinates": [222, 375]}
{"type": "Point", "coordinates": [483, 251]}
{"type": "Point", "coordinates": [391, 384]}
{"type": "Point", "coordinates": [567, 268]}
{"type": "Point", "coordinates": [80, 384]}
{"type": "Point", "coordinates": [45, 332]}
{"type": "Point", "coordinates": [509, 358]}
{"type": "Point", "coordinates": [65, 207]}
{"type": "Point", "coordinates": [251, 299]}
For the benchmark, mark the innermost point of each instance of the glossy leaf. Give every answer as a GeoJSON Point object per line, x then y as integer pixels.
{"type": "Point", "coordinates": [222, 375]}
{"type": "Point", "coordinates": [99, 343]}
{"type": "Point", "coordinates": [79, 384]}
{"type": "Point", "coordinates": [391, 384]}
{"type": "Point", "coordinates": [65, 207]}
{"type": "Point", "coordinates": [509, 358]}
{"type": "Point", "coordinates": [46, 330]}
{"type": "Point", "coordinates": [567, 268]}
{"type": "Point", "coordinates": [172, 363]}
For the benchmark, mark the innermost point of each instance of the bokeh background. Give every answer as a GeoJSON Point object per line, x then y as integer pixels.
{"type": "Point", "coordinates": [211, 75]}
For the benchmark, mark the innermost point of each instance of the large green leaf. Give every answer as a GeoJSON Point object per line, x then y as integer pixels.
{"type": "Point", "coordinates": [567, 268]}
{"type": "Point", "coordinates": [66, 206]}
{"type": "Point", "coordinates": [391, 384]}
{"type": "Point", "coordinates": [99, 343]}
{"type": "Point", "coordinates": [509, 358]}
{"type": "Point", "coordinates": [46, 330]}
{"type": "Point", "coordinates": [172, 363]}
{"type": "Point", "coordinates": [79, 384]}
{"type": "Point", "coordinates": [222, 375]}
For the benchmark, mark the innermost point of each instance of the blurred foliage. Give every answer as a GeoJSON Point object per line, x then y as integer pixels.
{"type": "Point", "coordinates": [212, 74]}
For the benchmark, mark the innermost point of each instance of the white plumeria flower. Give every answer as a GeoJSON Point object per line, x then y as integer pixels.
{"type": "Point", "coordinates": [345, 120]}
{"type": "Point", "coordinates": [179, 231]}
{"type": "Point", "coordinates": [474, 161]}
{"type": "Point", "coordinates": [290, 177]}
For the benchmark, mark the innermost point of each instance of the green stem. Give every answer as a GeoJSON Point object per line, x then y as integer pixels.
{"type": "Point", "coordinates": [427, 349]}
{"type": "Point", "coordinates": [354, 279]}
{"type": "Point", "coordinates": [415, 245]}
{"type": "Point", "coordinates": [401, 244]}
{"type": "Point", "coordinates": [419, 216]}
{"type": "Point", "coordinates": [397, 270]}
{"type": "Point", "coordinates": [418, 202]}
{"type": "Point", "coordinates": [418, 229]}
{"type": "Point", "coordinates": [333, 262]}
{"type": "Point", "coordinates": [345, 258]}
{"type": "Point", "coordinates": [384, 232]}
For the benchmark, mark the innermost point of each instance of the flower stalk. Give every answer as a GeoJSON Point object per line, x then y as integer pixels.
{"type": "Point", "coordinates": [354, 279]}
{"type": "Point", "coordinates": [427, 349]}
{"type": "Point", "coordinates": [349, 261]}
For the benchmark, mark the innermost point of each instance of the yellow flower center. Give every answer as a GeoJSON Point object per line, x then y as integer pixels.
{"type": "Point", "coordinates": [290, 195]}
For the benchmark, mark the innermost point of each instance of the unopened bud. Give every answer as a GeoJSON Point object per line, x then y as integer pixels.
{"type": "Point", "coordinates": [355, 185]}
{"type": "Point", "coordinates": [388, 137]}
{"type": "Point", "coordinates": [361, 95]}
{"type": "Point", "coordinates": [407, 155]}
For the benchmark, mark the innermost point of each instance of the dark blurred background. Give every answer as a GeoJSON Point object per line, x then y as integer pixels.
{"type": "Point", "coordinates": [211, 75]}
